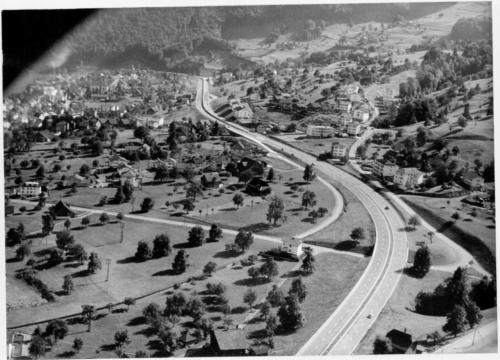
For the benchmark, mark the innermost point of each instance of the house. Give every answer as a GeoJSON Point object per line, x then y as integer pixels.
{"type": "Point", "coordinates": [76, 180]}
{"type": "Point", "coordinates": [341, 120]}
{"type": "Point", "coordinates": [361, 115]}
{"type": "Point", "coordinates": [257, 187]}
{"type": "Point", "coordinates": [473, 180]}
{"type": "Point", "coordinates": [401, 341]}
{"type": "Point", "coordinates": [338, 150]}
{"type": "Point", "coordinates": [61, 209]}
{"type": "Point", "coordinates": [18, 347]}
{"type": "Point", "coordinates": [408, 178]}
{"type": "Point", "coordinates": [61, 126]}
{"type": "Point", "coordinates": [319, 131]}
{"type": "Point", "coordinates": [384, 169]}
{"type": "Point", "coordinates": [44, 136]}
{"type": "Point", "coordinates": [131, 176]}
{"type": "Point", "coordinates": [247, 163]}
{"type": "Point", "coordinates": [29, 188]}
{"type": "Point", "coordinates": [344, 106]}
{"type": "Point", "coordinates": [353, 128]}
{"type": "Point", "coordinates": [229, 342]}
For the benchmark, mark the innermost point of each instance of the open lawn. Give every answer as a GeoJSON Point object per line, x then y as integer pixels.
{"type": "Point", "coordinates": [127, 277]}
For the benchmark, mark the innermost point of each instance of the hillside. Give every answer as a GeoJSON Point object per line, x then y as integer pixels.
{"type": "Point", "coordinates": [183, 39]}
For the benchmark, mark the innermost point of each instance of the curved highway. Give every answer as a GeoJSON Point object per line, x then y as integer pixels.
{"type": "Point", "coordinates": [344, 329]}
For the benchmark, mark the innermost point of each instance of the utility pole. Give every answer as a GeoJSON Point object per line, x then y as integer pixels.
{"type": "Point", "coordinates": [108, 262]}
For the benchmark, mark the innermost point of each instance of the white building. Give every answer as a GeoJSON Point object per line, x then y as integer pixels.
{"type": "Point", "coordinates": [344, 106]}
{"type": "Point", "coordinates": [408, 177]}
{"type": "Point", "coordinates": [319, 131]}
{"type": "Point", "coordinates": [338, 150]}
{"type": "Point", "coordinates": [384, 169]}
{"type": "Point", "coordinates": [353, 128]}
{"type": "Point", "coordinates": [341, 120]}
{"type": "Point", "coordinates": [361, 115]}
{"type": "Point", "coordinates": [29, 188]}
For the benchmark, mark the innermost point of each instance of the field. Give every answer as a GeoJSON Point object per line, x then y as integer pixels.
{"type": "Point", "coordinates": [127, 277]}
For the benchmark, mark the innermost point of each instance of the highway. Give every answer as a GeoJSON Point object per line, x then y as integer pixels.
{"type": "Point", "coordinates": [343, 330]}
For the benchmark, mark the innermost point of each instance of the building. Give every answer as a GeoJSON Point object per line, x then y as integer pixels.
{"type": "Point", "coordinates": [361, 115]}
{"type": "Point", "coordinates": [407, 178]}
{"type": "Point", "coordinates": [229, 342]}
{"type": "Point", "coordinates": [61, 209]}
{"type": "Point", "coordinates": [338, 150]}
{"type": "Point", "coordinates": [44, 136]}
{"type": "Point", "coordinates": [29, 188]}
{"type": "Point", "coordinates": [384, 169]}
{"type": "Point", "coordinates": [18, 347]}
{"type": "Point", "coordinates": [344, 106]}
{"type": "Point", "coordinates": [319, 131]}
{"type": "Point", "coordinates": [353, 128]}
{"type": "Point", "coordinates": [341, 120]}
{"type": "Point", "coordinates": [473, 180]}
{"type": "Point", "coordinates": [257, 187]}
{"type": "Point", "coordinates": [401, 341]}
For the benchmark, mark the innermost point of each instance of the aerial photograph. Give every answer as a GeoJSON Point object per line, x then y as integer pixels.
{"type": "Point", "coordinates": [251, 180]}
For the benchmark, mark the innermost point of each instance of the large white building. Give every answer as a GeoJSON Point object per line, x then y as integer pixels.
{"type": "Point", "coordinates": [408, 177]}
{"type": "Point", "coordinates": [338, 150]}
{"type": "Point", "coordinates": [29, 188]}
{"type": "Point", "coordinates": [353, 128]}
{"type": "Point", "coordinates": [319, 131]}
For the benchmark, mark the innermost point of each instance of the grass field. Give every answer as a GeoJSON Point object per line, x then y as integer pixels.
{"type": "Point", "coordinates": [127, 277]}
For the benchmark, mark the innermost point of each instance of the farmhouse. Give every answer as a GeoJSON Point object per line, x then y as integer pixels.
{"type": "Point", "coordinates": [473, 180]}
{"type": "Point", "coordinates": [61, 209]}
{"type": "Point", "coordinates": [384, 169]}
{"type": "Point", "coordinates": [18, 347]}
{"type": "Point", "coordinates": [408, 177]}
{"type": "Point", "coordinates": [258, 187]}
{"type": "Point", "coordinates": [229, 342]}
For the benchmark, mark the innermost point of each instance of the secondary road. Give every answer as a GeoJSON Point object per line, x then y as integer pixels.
{"type": "Point", "coordinates": [344, 329]}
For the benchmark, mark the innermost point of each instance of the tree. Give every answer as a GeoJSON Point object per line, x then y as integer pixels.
{"type": "Point", "coordinates": [414, 221]}
{"type": "Point", "coordinates": [168, 339]}
{"type": "Point", "coordinates": [37, 346]}
{"type": "Point", "coordinates": [180, 262]}
{"type": "Point", "coordinates": [358, 234]}
{"type": "Point", "coordinates": [68, 284]}
{"type": "Point", "coordinates": [141, 132]}
{"type": "Point", "coordinates": [85, 221]}
{"type": "Point", "coordinates": [88, 312]}
{"type": "Point", "coordinates": [23, 250]}
{"type": "Point", "coordinates": [237, 200]}
{"type": "Point", "coordinates": [55, 256]}
{"type": "Point", "coordinates": [187, 205]}
{"type": "Point", "coordinates": [457, 289]}
{"type": "Point", "coordinates": [161, 246]}
{"type": "Point", "coordinates": [94, 263]}
{"type": "Point", "coordinates": [290, 314]}
{"type": "Point", "coordinates": [143, 252]}
{"type": "Point", "coordinates": [119, 195]}
{"type": "Point", "coordinates": [275, 296]}
{"type": "Point", "coordinates": [455, 320]}
{"type": "Point", "coordinates": [193, 190]}
{"type": "Point", "coordinates": [421, 262]}
{"type": "Point", "coordinates": [128, 190]}
{"type": "Point", "coordinates": [84, 170]}
{"type": "Point", "coordinates": [196, 236]}
{"type": "Point", "coordinates": [484, 292]}
{"type": "Point", "coordinates": [48, 224]}
{"type": "Point", "coordinates": [455, 216]}
{"type": "Point", "coordinates": [14, 237]}
{"type": "Point", "coordinates": [271, 325]}
{"type": "Point", "coordinates": [275, 210]}
{"type": "Point", "coordinates": [64, 240]}
{"type": "Point", "coordinates": [194, 308]}
{"type": "Point", "coordinates": [103, 218]}
{"type": "Point", "coordinates": [214, 234]}
{"type": "Point", "coordinates": [253, 272]}
{"type": "Point", "coordinates": [151, 312]}
{"type": "Point", "coordinates": [308, 260]}
{"type": "Point", "coordinates": [79, 253]}
{"type": "Point", "coordinates": [308, 199]}
{"type": "Point", "coordinates": [269, 269]}
{"type": "Point", "coordinates": [147, 204]}
{"type": "Point", "coordinates": [40, 172]}
{"type": "Point", "coordinates": [473, 313]}
{"type": "Point", "coordinates": [298, 289]}
{"type": "Point", "coordinates": [57, 329]}
{"type": "Point", "coordinates": [382, 345]}
{"type": "Point", "coordinates": [121, 338]}
{"type": "Point", "coordinates": [140, 354]}
{"type": "Point", "coordinates": [270, 175]}
{"type": "Point", "coordinates": [77, 344]}
{"type": "Point", "coordinates": [128, 301]}
{"type": "Point", "coordinates": [244, 239]}
{"type": "Point", "coordinates": [249, 297]}
{"type": "Point", "coordinates": [209, 268]}
{"type": "Point", "coordinates": [308, 173]}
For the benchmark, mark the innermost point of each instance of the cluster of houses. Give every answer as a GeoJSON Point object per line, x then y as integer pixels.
{"type": "Point", "coordinates": [405, 178]}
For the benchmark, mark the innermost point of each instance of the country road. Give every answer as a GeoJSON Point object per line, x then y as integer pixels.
{"type": "Point", "coordinates": [344, 329]}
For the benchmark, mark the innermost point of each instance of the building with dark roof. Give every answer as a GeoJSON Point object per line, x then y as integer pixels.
{"type": "Point", "coordinates": [401, 341]}
{"type": "Point", "coordinates": [61, 209]}
{"type": "Point", "coordinates": [229, 342]}
{"type": "Point", "coordinates": [257, 187]}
